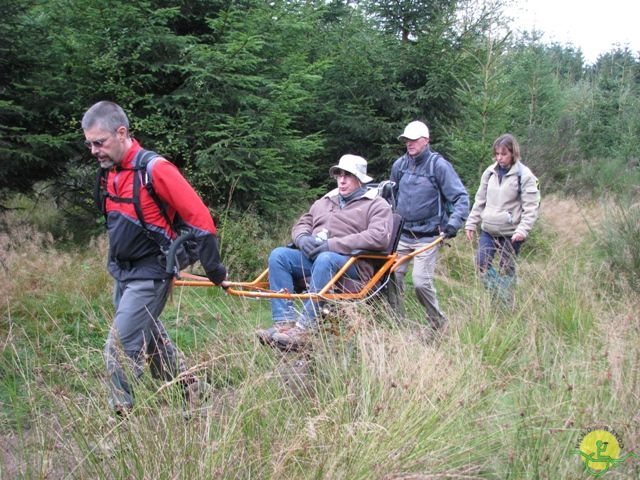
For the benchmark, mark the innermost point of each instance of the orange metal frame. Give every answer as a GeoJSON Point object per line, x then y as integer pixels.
{"type": "Point", "coordinates": [259, 288]}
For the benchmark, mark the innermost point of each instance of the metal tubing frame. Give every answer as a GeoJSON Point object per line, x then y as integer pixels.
{"type": "Point", "coordinates": [259, 287]}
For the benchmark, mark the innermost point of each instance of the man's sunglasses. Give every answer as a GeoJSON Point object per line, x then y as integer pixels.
{"type": "Point", "coordinates": [96, 143]}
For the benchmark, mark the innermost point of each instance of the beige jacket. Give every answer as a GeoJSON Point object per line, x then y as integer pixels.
{"type": "Point", "coordinates": [363, 224]}
{"type": "Point", "coordinates": [499, 209]}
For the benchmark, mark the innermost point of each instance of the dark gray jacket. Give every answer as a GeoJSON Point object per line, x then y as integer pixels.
{"type": "Point", "coordinates": [418, 199]}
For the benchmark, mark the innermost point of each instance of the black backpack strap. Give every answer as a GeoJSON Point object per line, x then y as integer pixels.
{"type": "Point", "coordinates": [186, 252]}
{"type": "Point", "coordinates": [99, 196]}
{"type": "Point", "coordinates": [100, 191]}
{"type": "Point", "coordinates": [142, 178]}
{"type": "Point", "coordinates": [431, 160]}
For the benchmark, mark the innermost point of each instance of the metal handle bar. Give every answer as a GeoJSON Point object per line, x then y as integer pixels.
{"type": "Point", "coordinates": [172, 265]}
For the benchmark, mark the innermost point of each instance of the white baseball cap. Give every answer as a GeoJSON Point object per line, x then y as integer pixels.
{"type": "Point", "coordinates": [414, 131]}
{"type": "Point", "coordinates": [353, 164]}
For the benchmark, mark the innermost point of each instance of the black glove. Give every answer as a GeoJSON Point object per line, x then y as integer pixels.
{"type": "Point", "coordinates": [321, 247]}
{"type": "Point", "coordinates": [450, 231]}
{"type": "Point", "coordinates": [306, 243]}
{"type": "Point", "coordinates": [217, 275]}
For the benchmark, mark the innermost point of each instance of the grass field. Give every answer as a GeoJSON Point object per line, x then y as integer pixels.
{"type": "Point", "coordinates": [503, 395]}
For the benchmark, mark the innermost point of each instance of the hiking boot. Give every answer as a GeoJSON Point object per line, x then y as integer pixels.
{"type": "Point", "coordinates": [293, 339]}
{"type": "Point", "coordinates": [432, 331]}
{"type": "Point", "coordinates": [122, 411]}
{"type": "Point", "coordinates": [505, 292]}
{"type": "Point", "coordinates": [105, 449]}
{"type": "Point", "coordinates": [265, 335]}
{"type": "Point", "coordinates": [196, 395]}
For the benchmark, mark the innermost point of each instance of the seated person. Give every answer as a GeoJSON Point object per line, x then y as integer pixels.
{"type": "Point", "coordinates": [350, 217]}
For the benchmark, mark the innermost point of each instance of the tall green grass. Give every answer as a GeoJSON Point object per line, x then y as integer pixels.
{"type": "Point", "coordinates": [503, 395]}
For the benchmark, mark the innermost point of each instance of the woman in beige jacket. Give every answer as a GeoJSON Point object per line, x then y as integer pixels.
{"type": "Point", "coordinates": [505, 207]}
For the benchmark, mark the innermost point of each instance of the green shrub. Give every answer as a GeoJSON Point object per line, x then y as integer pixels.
{"type": "Point", "coordinates": [67, 222]}
{"type": "Point", "coordinates": [246, 241]}
{"type": "Point", "coordinates": [619, 244]}
{"type": "Point", "coordinates": [603, 176]}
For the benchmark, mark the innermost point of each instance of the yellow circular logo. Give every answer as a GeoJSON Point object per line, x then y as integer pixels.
{"type": "Point", "coordinates": [600, 450]}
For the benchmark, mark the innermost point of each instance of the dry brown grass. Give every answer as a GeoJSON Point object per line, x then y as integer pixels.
{"type": "Point", "coordinates": [31, 263]}
{"type": "Point", "coordinates": [570, 218]}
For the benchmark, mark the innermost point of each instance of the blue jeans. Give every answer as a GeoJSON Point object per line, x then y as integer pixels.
{"type": "Point", "coordinates": [489, 246]}
{"type": "Point", "coordinates": [289, 267]}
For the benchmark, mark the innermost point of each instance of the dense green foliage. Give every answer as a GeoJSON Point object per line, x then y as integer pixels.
{"type": "Point", "coordinates": [256, 99]}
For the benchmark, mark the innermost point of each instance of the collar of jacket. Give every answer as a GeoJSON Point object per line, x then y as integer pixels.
{"type": "Point", "coordinates": [355, 195]}
{"type": "Point", "coordinates": [511, 171]}
{"type": "Point", "coordinates": [127, 162]}
{"type": "Point", "coordinates": [420, 158]}
{"type": "Point", "coordinates": [371, 193]}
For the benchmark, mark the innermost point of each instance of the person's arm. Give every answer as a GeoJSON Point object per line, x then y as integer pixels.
{"type": "Point", "coordinates": [478, 205]}
{"type": "Point", "coordinates": [173, 189]}
{"type": "Point", "coordinates": [530, 198]}
{"type": "Point", "coordinates": [454, 191]}
{"type": "Point", "coordinates": [395, 176]}
{"type": "Point", "coordinates": [394, 172]}
{"type": "Point", "coordinates": [210, 259]}
{"type": "Point", "coordinates": [304, 225]}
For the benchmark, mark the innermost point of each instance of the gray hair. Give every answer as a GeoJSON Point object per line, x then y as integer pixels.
{"type": "Point", "coordinates": [105, 115]}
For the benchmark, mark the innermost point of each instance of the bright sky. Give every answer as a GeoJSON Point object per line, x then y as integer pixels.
{"type": "Point", "coordinates": [595, 27]}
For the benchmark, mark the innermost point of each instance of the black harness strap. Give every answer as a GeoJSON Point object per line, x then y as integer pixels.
{"type": "Point", "coordinates": [141, 177]}
{"type": "Point", "coordinates": [100, 191]}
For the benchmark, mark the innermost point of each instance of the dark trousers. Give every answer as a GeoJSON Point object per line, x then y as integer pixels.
{"type": "Point", "coordinates": [507, 251]}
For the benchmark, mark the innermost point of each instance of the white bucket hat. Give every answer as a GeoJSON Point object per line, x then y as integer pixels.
{"type": "Point", "coordinates": [414, 131]}
{"type": "Point", "coordinates": [353, 164]}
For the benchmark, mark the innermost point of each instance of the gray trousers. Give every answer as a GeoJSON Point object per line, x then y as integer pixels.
{"type": "Point", "coordinates": [138, 336]}
{"type": "Point", "coordinates": [424, 266]}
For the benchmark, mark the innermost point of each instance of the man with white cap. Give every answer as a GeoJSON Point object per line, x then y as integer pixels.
{"type": "Point", "coordinates": [347, 218]}
{"type": "Point", "coordinates": [427, 187]}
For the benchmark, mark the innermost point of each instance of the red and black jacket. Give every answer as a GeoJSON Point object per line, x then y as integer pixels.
{"type": "Point", "coordinates": [135, 246]}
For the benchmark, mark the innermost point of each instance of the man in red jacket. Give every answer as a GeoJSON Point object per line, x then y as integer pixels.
{"type": "Point", "coordinates": [140, 228]}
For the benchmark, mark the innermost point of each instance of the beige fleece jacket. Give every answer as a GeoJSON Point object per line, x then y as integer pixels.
{"type": "Point", "coordinates": [499, 209]}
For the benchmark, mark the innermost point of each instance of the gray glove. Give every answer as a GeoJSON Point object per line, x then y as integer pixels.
{"type": "Point", "coordinates": [306, 243]}
{"type": "Point", "coordinates": [321, 247]}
